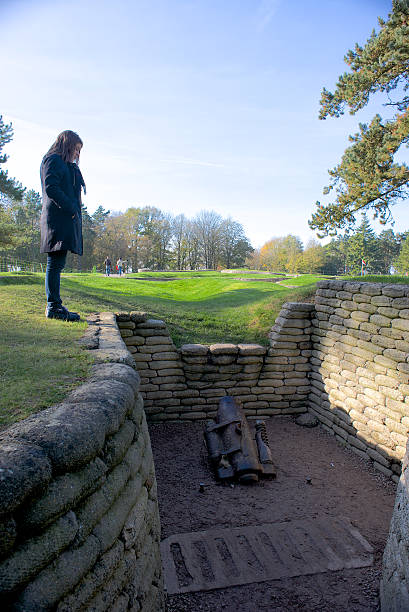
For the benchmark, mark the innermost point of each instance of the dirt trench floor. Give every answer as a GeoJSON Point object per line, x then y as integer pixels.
{"type": "Point", "coordinates": [341, 484]}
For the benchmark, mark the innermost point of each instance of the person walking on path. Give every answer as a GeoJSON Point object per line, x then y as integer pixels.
{"type": "Point", "coordinates": [107, 263]}
{"type": "Point", "coordinates": [61, 221]}
{"type": "Point", "coordinates": [119, 266]}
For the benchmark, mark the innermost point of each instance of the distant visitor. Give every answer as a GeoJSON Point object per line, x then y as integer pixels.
{"type": "Point", "coordinates": [61, 221]}
{"type": "Point", "coordinates": [107, 263]}
{"type": "Point", "coordinates": [119, 265]}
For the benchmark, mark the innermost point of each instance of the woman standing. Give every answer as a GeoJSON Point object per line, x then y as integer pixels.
{"type": "Point", "coordinates": [61, 222]}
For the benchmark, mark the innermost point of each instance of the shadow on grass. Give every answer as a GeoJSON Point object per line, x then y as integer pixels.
{"type": "Point", "coordinates": [22, 278]}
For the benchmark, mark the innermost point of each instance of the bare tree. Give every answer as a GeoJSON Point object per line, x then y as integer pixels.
{"type": "Point", "coordinates": [163, 237]}
{"type": "Point", "coordinates": [208, 225]}
{"type": "Point", "coordinates": [179, 227]}
{"type": "Point", "coordinates": [192, 246]}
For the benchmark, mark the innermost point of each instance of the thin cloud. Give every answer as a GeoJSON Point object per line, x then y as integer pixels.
{"type": "Point", "coordinates": [265, 13]}
{"type": "Point", "coordinates": [193, 162]}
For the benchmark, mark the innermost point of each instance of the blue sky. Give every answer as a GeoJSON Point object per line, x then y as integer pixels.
{"type": "Point", "coordinates": [186, 104]}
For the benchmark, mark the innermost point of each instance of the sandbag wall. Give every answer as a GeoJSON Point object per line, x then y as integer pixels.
{"type": "Point", "coordinates": [79, 521]}
{"type": "Point", "coordinates": [360, 368]}
{"type": "Point", "coordinates": [187, 383]}
{"type": "Point", "coordinates": [394, 590]}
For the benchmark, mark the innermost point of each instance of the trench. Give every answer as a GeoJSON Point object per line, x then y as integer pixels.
{"type": "Point", "coordinates": [316, 478]}
{"type": "Point", "coordinates": [343, 360]}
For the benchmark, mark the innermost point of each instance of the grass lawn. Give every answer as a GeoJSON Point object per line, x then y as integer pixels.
{"type": "Point", "coordinates": [40, 360]}
{"type": "Point", "coordinates": [379, 278]}
{"type": "Point", "coordinates": [199, 307]}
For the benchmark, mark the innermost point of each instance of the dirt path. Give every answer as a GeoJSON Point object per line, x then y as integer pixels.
{"type": "Point", "coordinates": [341, 485]}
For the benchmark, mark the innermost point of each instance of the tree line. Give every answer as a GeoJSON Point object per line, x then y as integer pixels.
{"type": "Point", "coordinates": [144, 237]}
{"type": "Point", "coordinates": [353, 252]}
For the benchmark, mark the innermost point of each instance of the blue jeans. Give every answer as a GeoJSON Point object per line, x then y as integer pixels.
{"type": "Point", "coordinates": [107, 270]}
{"type": "Point", "coordinates": [55, 263]}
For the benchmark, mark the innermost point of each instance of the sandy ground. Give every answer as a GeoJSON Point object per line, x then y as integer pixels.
{"type": "Point", "coordinates": [341, 484]}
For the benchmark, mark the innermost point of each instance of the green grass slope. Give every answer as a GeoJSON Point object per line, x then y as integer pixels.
{"type": "Point", "coordinates": [40, 360]}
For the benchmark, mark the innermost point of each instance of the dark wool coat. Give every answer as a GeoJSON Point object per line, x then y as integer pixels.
{"type": "Point", "coordinates": [61, 222]}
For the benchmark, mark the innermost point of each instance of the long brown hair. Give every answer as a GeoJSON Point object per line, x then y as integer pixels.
{"type": "Point", "coordinates": [65, 145]}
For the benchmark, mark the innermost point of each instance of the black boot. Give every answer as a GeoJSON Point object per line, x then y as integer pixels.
{"type": "Point", "coordinates": [62, 313]}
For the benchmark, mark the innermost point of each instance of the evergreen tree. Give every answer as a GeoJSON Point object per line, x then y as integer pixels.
{"type": "Point", "coordinates": [363, 247]}
{"type": "Point", "coordinates": [10, 235]}
{"type": "Point", "coordinates": [10, 190]}
{"type": "Point", "coordinates": [388, 248]}
{"type": "Point", "coordinates": [402, 261]}
{"type": "Point", "coordinates": [9, 187]}
{"type": "Point", "coordinates": [336, 255]}
{"type": "Point", "coordinates": [86, 262]}
{"type": "Point", "coordinates": [99, 218]}
{"type": "Point", "coordinates": [27, 218]}
{"type": "Point", "coordinates": [368, 177]}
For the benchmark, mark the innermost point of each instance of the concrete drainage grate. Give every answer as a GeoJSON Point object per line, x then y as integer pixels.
{"type": "Point", "coordinates": [217, 558]}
